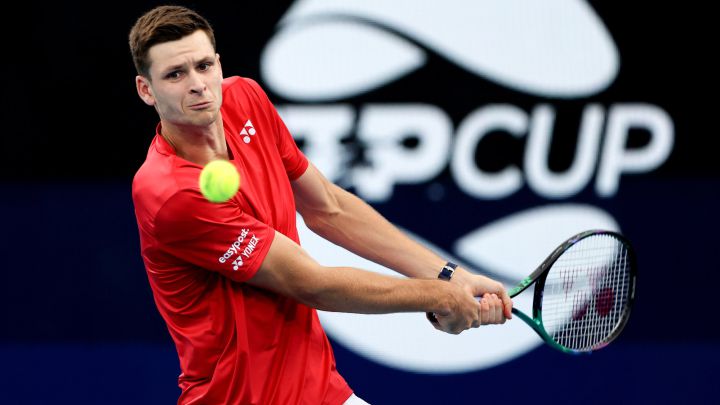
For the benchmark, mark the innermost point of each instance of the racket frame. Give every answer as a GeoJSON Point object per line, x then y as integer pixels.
{"type": "Point", "coordinates": [539, 276]}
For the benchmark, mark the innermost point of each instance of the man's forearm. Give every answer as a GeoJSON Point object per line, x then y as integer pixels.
{"type": "Point", "coordinates": [289, 270]}
{"type": "Point", "coordinates": [346, 220]}
{"type": "Point", "coordinates": [346, 289]}
{"type": "Point", "coordinates": [362, 230]}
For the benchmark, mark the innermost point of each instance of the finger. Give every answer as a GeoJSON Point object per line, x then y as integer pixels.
{"type": "Point", "coordinates": [499, 317]}
{"type": "Point", "coordinates": [493, 302]}
{"type": "Point", "coordinates": [471, 320]}
{"type": "Point", "coordinates": [499, 310]}
{"type": "Point", "coordinates": [476, 320]}
{"type": "Point", "coordinates": [484, 311]}
{"type": "Point", "coordinates": [507, 304]}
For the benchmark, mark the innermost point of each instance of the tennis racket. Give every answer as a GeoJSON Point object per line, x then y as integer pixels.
{"type": "Point", "coordinates": [584, 292]}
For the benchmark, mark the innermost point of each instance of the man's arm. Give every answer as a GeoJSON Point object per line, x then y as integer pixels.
{"type": "Point", "coordinates": [346, 220]}
{"type": "Point", "coordinates": [289, 270]}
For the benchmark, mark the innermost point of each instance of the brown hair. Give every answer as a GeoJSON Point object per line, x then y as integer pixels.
{"type": "Point", "coordinates": [163, 24]}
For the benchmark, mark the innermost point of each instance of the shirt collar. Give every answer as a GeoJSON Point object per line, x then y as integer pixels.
{"type": "Point", "coordinates": [161, 144]}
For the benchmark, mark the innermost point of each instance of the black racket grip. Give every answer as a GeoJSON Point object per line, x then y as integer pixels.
{"type": "Point", "coordinates": [431, 317]}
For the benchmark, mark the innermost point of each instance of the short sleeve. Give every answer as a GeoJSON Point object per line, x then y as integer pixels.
{"type": "Point", "coordinates": [215, 237]}
{"type": "Point", "coordinates": [293, 159]}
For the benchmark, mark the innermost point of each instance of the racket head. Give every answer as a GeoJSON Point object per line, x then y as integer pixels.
{"type": "Point", "coordinates": [585, 291]}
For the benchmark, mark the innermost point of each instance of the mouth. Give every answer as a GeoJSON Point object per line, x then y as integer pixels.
{"type": "Point", "coordinates": [201, 106]}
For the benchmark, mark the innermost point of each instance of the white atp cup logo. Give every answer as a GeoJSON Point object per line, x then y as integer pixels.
{"type": "Point", "coordinates": [328, 51]}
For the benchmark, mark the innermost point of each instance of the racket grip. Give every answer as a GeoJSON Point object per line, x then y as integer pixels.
{"type": "Point", "coordinates": [431, 317]}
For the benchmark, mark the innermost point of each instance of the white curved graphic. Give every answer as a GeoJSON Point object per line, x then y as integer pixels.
{"type": "Point", "coordinates": [298, 65]}
{"type": "Point", "coordinates": [409, 342]}
{"type": "Point", "coordinates": [328, 49]}
{"type": "Point", "coordinates": [515, 245]}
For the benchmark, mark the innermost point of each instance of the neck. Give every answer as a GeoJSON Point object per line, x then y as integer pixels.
{"type": "Point", "coordinates": [199, 145]}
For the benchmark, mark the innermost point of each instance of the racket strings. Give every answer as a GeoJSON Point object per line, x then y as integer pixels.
{"type": "Point", "coordinates": [586, 293]}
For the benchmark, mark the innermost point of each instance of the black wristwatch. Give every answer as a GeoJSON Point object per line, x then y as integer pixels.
{"type": "Point", "coordinates": [445, 274]}
{"type": "Point", "coordinates": [447, 271]}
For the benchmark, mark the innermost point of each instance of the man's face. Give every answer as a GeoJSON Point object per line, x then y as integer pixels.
{"type": "Point", "coordinates": [186, 86]}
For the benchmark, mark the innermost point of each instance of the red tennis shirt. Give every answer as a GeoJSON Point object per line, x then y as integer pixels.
{"type": "Point", "coordinates": [237, 344]}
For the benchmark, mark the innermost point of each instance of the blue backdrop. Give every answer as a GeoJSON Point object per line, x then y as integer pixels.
{"type": "Point", "coordinates": [78, 321]}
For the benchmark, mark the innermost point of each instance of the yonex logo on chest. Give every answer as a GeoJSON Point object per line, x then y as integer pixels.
{"type": "Point", "coordinates": [248, 131]}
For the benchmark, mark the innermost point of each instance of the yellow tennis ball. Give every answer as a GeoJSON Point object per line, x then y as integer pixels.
{"type": "Point", "coordinates": [219, 181]}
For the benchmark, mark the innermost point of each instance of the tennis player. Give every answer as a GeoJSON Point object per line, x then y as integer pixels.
{"type": "Point", "coordinates": [238, 293]}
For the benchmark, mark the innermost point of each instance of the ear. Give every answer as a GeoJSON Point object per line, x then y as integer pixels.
{"type": "Point", "coordinates": [144, 89]}
{"type": "Point", "coordinates": [217, 57]}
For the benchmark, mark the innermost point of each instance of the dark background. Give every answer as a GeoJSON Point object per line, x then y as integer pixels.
{"type": "Point", "coordinates": [77, 320]}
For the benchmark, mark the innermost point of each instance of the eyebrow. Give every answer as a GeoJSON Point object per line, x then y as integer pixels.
{"type": "Point", "coordinates": [182, 65]}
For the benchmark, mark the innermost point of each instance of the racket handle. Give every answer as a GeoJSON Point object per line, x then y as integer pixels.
{"type": "Point", "coordinates": [431, 317]}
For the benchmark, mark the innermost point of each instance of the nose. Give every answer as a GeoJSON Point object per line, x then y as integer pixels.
{"type": "Point", "coordinates": [197, 85]}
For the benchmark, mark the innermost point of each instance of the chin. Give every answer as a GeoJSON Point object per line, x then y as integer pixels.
{"type": "Point", "coordinates": [204, 119]}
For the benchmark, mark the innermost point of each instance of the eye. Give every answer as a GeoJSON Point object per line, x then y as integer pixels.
{"type": "Point", "coordinates": [175, 74]}
{"type": "Point", "coordinates": [204, 66]}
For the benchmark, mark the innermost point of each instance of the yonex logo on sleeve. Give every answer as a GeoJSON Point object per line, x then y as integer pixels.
{"type": "Point", "coordinates": [250, 246]}
{"type": "Point", "coordinates": [235, 247]}
{"type": "Point", "coordinates": [248, 131]}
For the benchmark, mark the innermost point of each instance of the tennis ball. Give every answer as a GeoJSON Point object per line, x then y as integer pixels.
{"type": "Point", "coordinates": [219, 181]}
